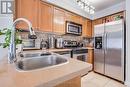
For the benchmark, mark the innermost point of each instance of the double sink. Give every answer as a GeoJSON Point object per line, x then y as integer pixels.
{"type": "Point", "coordinates": [35, 61]}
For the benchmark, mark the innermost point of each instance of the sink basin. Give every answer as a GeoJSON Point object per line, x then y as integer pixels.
{"type": "Point", "coordinates": [40, 62]}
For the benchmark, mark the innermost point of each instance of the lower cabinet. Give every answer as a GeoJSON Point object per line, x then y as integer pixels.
{"type": "Point", "coordinates": [90, 56]}
{"type": "Point", "coordinates": [75, 82]}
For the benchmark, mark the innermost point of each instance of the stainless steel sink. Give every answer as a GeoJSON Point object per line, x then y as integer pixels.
{"type": "Point", "coordinates": [40, 62]}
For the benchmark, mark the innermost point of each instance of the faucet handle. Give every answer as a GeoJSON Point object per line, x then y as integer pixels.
{"type": "Point", "coordinates": [32, 34]}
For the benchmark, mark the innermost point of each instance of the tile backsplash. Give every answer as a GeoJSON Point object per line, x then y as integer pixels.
{"type": "Point", "coordinates": [46, 35]}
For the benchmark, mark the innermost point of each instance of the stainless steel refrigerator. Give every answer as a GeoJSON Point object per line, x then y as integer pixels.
{"type": "Point", "coordinates": [109, 49]}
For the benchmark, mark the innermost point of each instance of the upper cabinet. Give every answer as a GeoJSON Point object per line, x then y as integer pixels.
{"type": "Point", "coordinates": [45, 17]}
{"type": "Point", "coordinates": [86, 27]}
{"type": "Point", "coordinates": [110, 18]}
{"type": "Point", "coordinates": [69, 16]}
{"type": "Point", "coordinates": [89, 28]}
{"type": "Point", "coordinates": [73, 17]}
{"type": "Point", "coordinates": [77, 19]}
{"type": "Point", "coordinates": [27, 9]}
{"type": "Point", "coordinates": [59, 21]}
{"type": "Point", "coordinates": [98, 21]}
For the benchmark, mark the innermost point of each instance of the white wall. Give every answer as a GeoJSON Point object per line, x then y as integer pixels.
{"type": "Point", "coordinates": [5, 22]}
{"type": "Point", "coordinates": [128, 42]}
{"type": "Point", "coordinates": [113, 9]}
{"type": "Point", "coordinates": [70, 5]}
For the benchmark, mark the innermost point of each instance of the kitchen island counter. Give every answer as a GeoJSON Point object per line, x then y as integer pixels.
{"type": "Point", "coordinates": [10, 77]}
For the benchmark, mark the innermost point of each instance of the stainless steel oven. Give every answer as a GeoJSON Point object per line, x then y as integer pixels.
{"type": "Point", "coordinates": [80, 54]}
{"type": "Point", "coordinates": [73, 28]}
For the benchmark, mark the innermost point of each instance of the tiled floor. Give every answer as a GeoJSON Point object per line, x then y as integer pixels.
{"type": "Point", "coordinates": [97, 80]}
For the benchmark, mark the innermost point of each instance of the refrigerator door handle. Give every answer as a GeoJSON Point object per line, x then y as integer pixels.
{"type": "Point", "coordinates": [105, 42]}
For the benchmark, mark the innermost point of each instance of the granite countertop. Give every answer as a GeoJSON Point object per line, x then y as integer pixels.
{"type": "Point", "coordinates": [10, 77]}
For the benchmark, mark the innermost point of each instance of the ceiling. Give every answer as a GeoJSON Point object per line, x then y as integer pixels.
{"type": "Point", "coordinates": [99, 5]}
{"type": "Point", "coordinates": [102, 4]}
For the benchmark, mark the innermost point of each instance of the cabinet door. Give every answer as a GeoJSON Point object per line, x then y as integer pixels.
{"type": "Point", "coordinates": [90, 56]}
{"type": "Point", "coordinates": [45, 17]}
{"type": "Point", "coordinates": [89, 28]}
{"type": "Point", "coordinates": [84, 27]}
{"type": "Point", "coordinates": [74, 82]}
{"type": "Point", "coordinates": [77, 19]}
{"type": "Point", "coordinates": [27, 9]}
{"type": "Point", "coordinates": [121, 14]}
{"type": "Point", "coordinates": [96, 22]}
{"type": "Point", "coordinates": [73, 17]}
{"type": "Point", "coordinates": [59, 21]}
{"type": "Point", "coordinates": [69, 16]}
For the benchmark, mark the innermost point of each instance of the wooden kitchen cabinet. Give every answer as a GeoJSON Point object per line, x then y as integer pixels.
{"type": "Point", "coordinates": [77, 19]}
{"type": "Point", "coordinates": [68, 16]}
{"type": "Point", "coordinates": [106, 19]}
{"type": "Point", "coordinates": [118, 14]}
{"type": "Point", "coordinates": [86, 27]}
{"type": "Point", "coordinates": [98, 21]}
{"type": "Point", "coordinates": [90, 56]}
{"type": "Point", "coordinates": [73, 17]}
{"type": "Point", "coordinates": [89, 28]}
{"type": "Point", "coordinates": [59, 21]}
{"type": "Point", "coordinates": [27, 9]}
{"type": "Point", "coordinates": [45, 17]}
{"type": "Point", "coordinates": [75, 82]}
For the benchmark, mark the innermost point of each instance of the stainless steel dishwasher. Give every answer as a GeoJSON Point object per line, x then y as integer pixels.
{"type": "Point", "coordinates": [80, 54]}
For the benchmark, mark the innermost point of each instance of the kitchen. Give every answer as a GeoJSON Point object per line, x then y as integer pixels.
{"type": "Point", "coordinates": [67, 36]}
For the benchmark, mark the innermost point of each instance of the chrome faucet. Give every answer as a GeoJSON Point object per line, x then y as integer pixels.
{"type": "Point", "coordinates": [12, 49]}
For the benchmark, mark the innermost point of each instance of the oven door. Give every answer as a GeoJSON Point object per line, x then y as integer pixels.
{"type": "Point", "coordinates": [81, 57]}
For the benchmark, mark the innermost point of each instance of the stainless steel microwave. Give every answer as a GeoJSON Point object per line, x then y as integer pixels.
{"type": "Point", "coordinates": [73, 28]}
